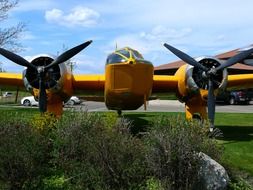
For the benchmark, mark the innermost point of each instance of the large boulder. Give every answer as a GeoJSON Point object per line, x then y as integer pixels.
{"type": "Point", "coordinates": [212, 175]}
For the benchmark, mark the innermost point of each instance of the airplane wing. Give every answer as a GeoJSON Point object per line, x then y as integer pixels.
{"type": "Point", "coordinates": [165, 83]}
{"type": "Point", "coordinates": [11, 80]}
{"type": "Point", "coordinates": [240, 81]}
{"type": "Point", "coordinates": [88, 82]}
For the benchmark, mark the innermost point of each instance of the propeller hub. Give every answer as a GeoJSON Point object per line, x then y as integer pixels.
{"type": "Point", "coordinates": [51, 76]}
{"type": "Point", "coordinates": [204, 75]}
{"type": "Point", "coordinates": [41, 69]}
{"type": "Point", "coordinates": [201, 77]}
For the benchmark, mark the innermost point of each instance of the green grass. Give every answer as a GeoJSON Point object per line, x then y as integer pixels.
{"type": "Point", "coordinates": [238, 140]}
{"type": "Point", "coordinates": [164, 96]}
{"type": "Point", "coordinates": [237, 129]}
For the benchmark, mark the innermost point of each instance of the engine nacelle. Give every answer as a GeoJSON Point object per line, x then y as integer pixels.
{"type": "Point", "coordinates": [57, 79]}
{"type": "Point", "coordinates": [192, 80]}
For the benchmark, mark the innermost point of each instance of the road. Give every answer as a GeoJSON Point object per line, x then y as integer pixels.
{"type": "Point", "coordinates": [166, 106]}
{"type": "Point", "coordinates": [157, 106]}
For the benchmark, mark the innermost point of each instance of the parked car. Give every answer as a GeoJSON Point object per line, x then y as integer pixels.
{"type": "Point", "coordinates": [234, 97]}
{"type": "Point", "coordinates": [7, 94]}
{"type": "Point", "coordinates": [30, 101]}
{"type": "Point", "coordinates": [73, 101]}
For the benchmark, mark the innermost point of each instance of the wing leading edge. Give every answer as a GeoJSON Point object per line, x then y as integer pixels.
{"type": "Point", "coordinates": [9, 80]}
{"type": "Point", "coordinates": [88, 82]}
{"type": "Point", "coordinates": [165, 83]}
{"type": "Point", "coordinates": [240, 81]}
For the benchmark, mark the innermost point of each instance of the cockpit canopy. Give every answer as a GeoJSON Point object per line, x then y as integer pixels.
{"type": "Point", "coordinates": [125, 55]}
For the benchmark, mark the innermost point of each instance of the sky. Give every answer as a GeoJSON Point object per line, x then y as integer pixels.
{"type": "Point", "coordinates": [197, 27]}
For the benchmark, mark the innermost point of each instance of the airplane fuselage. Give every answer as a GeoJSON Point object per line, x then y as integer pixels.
{"type": "Point", "coordinates": [127, 86]}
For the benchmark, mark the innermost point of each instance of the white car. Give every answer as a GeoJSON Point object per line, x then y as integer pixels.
{"type": "Point", "coordinates": [30, 101]}
{"type": "Point", "coordinates": [73, 101]}
{"type": "Point", "coordinates": [7, 94]}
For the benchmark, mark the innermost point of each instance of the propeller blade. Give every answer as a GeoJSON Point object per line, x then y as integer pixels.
{"type": "Point", "coordinates": [68, 54]}
{"type": "Point", "coordinates": [211, 104]}
{"type": "Point", "coordinates": [248, 62]}
{"type": "Point", "coordinates": [16, 58]}
{"type": "Point", "coordinates": [186, 58]}
{"type": "Point", "coordinates": [235, 59]}
{"type": "Point", "coordinates": [42, 96]}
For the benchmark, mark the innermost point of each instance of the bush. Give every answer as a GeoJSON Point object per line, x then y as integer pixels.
{"type": "Point", "coordinates": [85, 150]}
{"type": "Point", "coordinates": [22, 154]}
{"type": "Point", "coordinates": [173, 147]}
{"type": "Point", "coordinates": [94, 156]}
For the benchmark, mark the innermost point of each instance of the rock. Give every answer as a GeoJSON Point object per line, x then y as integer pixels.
{"type": "Point", "coordinates": [212, 175]}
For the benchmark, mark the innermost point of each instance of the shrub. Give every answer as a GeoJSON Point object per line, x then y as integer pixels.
{"type": "Point", "coordinates": [44, 123]}
{"type": "Point", "coordinates": [85, 150]}
{"type": "Point", "coordinates": [22, 154]}
{"type": "Point", "coordinates": [94, 156]}
{"type": "Point", "coordinates": [173, 147]}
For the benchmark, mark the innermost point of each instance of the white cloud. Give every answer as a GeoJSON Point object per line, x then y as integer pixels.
{"type": "Point", "coordinates": [78, 16]}
{"type": "Point", "coordinates": [163, 33]}
{"type": "Point", "coordinates": [150, 42]}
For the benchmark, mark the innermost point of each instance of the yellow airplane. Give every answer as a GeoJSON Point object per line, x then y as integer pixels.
{"type": "Point", "coordinates": [128, 80]}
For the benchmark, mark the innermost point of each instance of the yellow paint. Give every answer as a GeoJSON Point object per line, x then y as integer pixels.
{"type": "Point", "coordinates": [88, 82]}
{"type": "Point", "coordinates": [145, 102]}
{"type": "Point", "coordinates": [11, 80]}
{"type": "Point", "coordinates": [125, 86]}
{"type": "Point", "coordinates": [55, 105]}
{"type": "Point", "coordinates": [195, 105]}
{"type": "Point", "coordinates": [162, 83]}
{"type": "Point", "coordinates": [241, 81]}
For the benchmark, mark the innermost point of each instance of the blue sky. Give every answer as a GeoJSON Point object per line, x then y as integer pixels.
{"type": "Point", "coordinates": [198, 27]}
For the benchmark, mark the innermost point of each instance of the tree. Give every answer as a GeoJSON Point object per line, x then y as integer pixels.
{"type": "Point", "coordinates": [1, 67]}
{"type": "Point", "coordinates": [9, 36]}
{"type": "Point", "coordinates": [70, 63]}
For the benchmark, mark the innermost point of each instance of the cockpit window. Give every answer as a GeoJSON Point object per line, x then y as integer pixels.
{"type": "Point", "coordinates": [137, 55]}
{"type": "Point", "coordinates": [115, 58]}
{"type": "Point", "coordinates": [124, 52]}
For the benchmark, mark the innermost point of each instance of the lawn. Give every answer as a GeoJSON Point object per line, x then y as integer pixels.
{"type": "Point", "coordinates": [238, 140]}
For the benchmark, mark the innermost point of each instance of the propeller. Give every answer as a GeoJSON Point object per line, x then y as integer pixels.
{"type": "Point", "coordinates": [186, 58]}
{"type": "Point", "coordinates": [210, 75]}
{"type": "Point", "coordinates": [211, 104]}
{"type": "Point", "coordinates": [248, 62]}
{"type": "Point", "coordinates": [68, 54]}
{"type": "Point", "coordinates": [235, 59]}
{"type": "Point", "coordinates": [42, 70]}
{"type": "Point", "coordinates": [16, 58]}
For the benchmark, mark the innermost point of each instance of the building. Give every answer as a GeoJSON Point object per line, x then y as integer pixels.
{"type": "Point", "coordinates": [171, 68]}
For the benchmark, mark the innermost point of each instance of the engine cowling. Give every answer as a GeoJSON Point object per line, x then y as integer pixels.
{"type": "Point", "coordinates": [57, 80]}
{"type": "Point", "coordinates": [195, 81]}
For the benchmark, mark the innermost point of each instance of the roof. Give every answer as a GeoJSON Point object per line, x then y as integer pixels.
{"type": "Point", "coordinates": [224, 56]}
